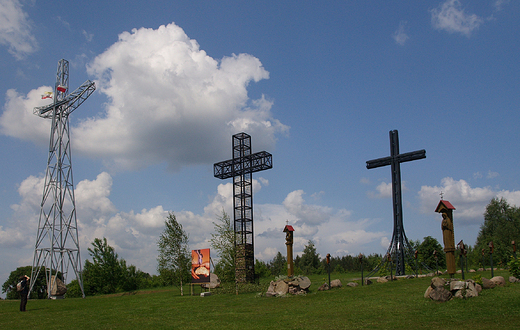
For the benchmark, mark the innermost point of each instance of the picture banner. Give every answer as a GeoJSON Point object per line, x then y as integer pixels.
{"type": "Point", "coordinates": [200, 266]}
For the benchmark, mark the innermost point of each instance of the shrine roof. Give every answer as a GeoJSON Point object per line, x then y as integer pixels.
{"type": "Point", "coordinates": [446, 205]}
{"type": "Point", "coordinates": [288, 228]}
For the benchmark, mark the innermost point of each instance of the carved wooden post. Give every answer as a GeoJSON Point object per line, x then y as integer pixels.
{"type": "Point", "coordinates": [288, 230]}
{"type": "Point", "coordinates": [448, 235]}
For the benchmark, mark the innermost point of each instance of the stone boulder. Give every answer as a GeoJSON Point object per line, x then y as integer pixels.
{"type": "Point", "coordinates": [382, 280]}
{"type": "Point", "coordinates": [441, 290]}
{"type": "Point", "coordinates": [335, 283]}
{"type": "Point", "coordinates": [214, 282]}
{"type": "Point", "coordinates": [498, 280]}
{"type": "Point", "coordinates": [58, 287]}
{"type": "Point", "coordinates": [281, 288]}
{"type": "Point", "coordinates": [352, 284]}
{"type": "Point", "coordinates": [302, 282]}
{"type": "Point", "coordinates": [471, 289]}
{"type": "Point", "coordinates": [323, 287]}
{"type": "Point", "coordinates": [440, 294]}
{"type": "Point", "coordinates": [298, 285]}
{"type": "Point", "coordinates": [487, 284]}
{"type": "Point", "coordinates": [270, 291]}
{"type": "Point", "coordinates": [457, 285]}
{"type": "Point", "coordinates": [438, 282]}
{"type": "Point", "coordinates": [464, 290]}
{"type": "Point", "coordinates": [513, 279]}
{"type": "Point", "coordinates": [427, 292]}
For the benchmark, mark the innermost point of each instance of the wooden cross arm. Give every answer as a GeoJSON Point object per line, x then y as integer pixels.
{"type": "Point", "coordinates": [401, 158]}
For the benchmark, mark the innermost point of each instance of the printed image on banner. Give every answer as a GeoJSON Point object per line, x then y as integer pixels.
{"type": "Point", "coordinates": [200, 266]}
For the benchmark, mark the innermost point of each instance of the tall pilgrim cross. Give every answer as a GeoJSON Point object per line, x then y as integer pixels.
{"type": "Point", "coordinates": [399, 245]}
{"type": "Point", "coordinates": [241, 168]}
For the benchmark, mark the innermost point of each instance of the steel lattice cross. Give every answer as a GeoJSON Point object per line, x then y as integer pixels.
{"type": "Point", "coordinates": [399, 247]}
{"type": "Point", "coordinates": [241, 168]}
{"type": "Point", "coordinates": [57, 243]}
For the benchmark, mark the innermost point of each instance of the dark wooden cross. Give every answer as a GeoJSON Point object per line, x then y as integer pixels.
{"type": "Point", "coordinates": [241, 168]}
{"type": "Point", "coordinates": [399, 242]}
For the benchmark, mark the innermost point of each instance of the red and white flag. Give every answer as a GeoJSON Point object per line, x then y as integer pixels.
{"type": "Point", "coordinates": [47, 95]}
{"type": "Point", "coordinates": [61, 88]}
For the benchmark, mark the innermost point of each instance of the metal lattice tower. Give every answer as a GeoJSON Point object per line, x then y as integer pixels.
{"type": "Point", "coordinates": [241, 169]}
{"type": "Point", "coordinates": [57, 242]}
{"type": "Point", "coordinates": [400, 249]}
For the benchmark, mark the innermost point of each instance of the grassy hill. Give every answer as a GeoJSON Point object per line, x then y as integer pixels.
{"type": "Point", "coordinates": [392, 305]}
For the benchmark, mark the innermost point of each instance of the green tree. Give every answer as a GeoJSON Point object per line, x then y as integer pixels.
{"type": "Point", "coordinates": [261, 269]}
{"type": "Point", "coordinates": [309, 263]}
{"type": "Point", "coordinates": [39, 290]}
{"type": "Point", "coordinates": [501, 226]}
{"type": "Point", "coordinates": [223, 241]}
{"type": "Point", "coordinates": [426, 248]}
{"type": "Point", "coordinates": [134, 278]}
{"type": "Point", "coordinates": [174, 253]}
{"type": "Point", "coordinates": [106, 272]}
{"type": "Point", "coordinates": [278, 266]}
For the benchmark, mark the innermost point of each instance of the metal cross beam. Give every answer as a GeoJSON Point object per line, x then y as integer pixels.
{"type": "Point", "coordinates": [241, 168]}
{"type": "Point", "coordinates": [399, 247]}
{"type": "Point", "coordinates": [57, 243]}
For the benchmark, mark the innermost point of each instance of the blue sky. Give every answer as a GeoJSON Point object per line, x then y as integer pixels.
{"type": "Point", "coordinates": [319, 85]}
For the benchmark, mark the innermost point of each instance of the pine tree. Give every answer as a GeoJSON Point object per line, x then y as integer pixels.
{"type": "Point", "coordinates": [310, 260]}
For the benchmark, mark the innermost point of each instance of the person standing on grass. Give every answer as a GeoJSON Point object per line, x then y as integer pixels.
{"type": "Point", "coordinates": [25, 292]}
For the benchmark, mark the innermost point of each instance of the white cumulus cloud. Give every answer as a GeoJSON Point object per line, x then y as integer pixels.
{"type": "Point", "coordinates": [171, 102]}
{"type": "Point", "coordinates": [470, 203]}
{"type": "Point", "coordinates": [400, 36]}
{"type": "Point", "coordinates": [15, 29]}
{"type": "Point", "coordinates": [167, 102]}
{"type": "Point", "coordinates": [451, 17]}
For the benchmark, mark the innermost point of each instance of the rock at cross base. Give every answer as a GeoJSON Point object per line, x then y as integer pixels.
{"type": "Point", "coordinates": [58, 287]}
{"type": "Point", "coordinates": [214, 282]}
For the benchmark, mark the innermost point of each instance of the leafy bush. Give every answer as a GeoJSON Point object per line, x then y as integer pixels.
{"type": "Point", "coordinates": [478, 279]}
{"type": "Point", "coordinates": [73, 289]}
{"type": "Point", "coordinates": [514, 267]}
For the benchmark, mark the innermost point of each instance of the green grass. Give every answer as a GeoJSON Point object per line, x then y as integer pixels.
{"type": "Point", "coordinates": [392, 305]}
